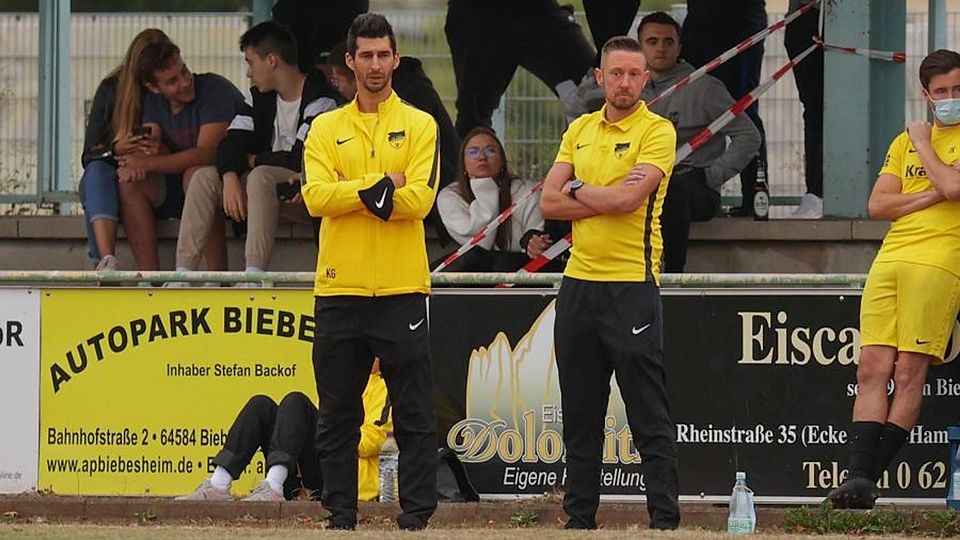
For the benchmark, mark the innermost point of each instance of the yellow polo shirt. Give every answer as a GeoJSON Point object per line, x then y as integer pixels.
{"type": "Point", "coordinates": [930, 236]}
{"type": "Point", "coordinates": [623, 247]}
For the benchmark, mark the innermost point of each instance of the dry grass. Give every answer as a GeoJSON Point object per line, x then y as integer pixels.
{"type": "Point", "coordinates": [105, 532]}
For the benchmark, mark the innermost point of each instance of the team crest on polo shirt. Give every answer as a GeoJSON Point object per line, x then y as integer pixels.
{"type": "Point", "coordinates": [396, 138]}
{"type": "Point", "coordinates": [620, 149]}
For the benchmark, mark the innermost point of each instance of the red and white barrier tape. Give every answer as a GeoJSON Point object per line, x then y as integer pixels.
{"type": "Point", "coordinates": [491, 227]}
{"type": "Point", "coordinates": [734, 51]}
{"type": "Point", "coordinates": [741, 105]}
{"type": "Point", "coordinates": [889, 56]}
{"type": "Point", "coordinates": [684, 152]}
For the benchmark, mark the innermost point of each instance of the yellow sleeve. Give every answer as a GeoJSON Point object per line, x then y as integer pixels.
{"type": "Point", "coordinates": [323, 192]}
{"type": "Point", "coordinates": [893, 163]}
{"type": "Point", "coordinates": [565, 154]}
{"type": "Point", "coordinates": [376, 417]}
{"type": "Point", "coordinates": [659, 147]}
{"type": "Point", "coordinates": [415, 199]}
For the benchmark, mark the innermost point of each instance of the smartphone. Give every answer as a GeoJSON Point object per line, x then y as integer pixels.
{"type": "Point", "coordinates": [142, 132]}
{"type": "Point", "coordinates": [287, 191]}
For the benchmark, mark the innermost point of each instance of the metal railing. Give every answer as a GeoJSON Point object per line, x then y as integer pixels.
{"type": "Point", "coordinates": [271, 279]}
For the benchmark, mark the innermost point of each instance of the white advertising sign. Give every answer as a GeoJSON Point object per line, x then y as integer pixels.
{"type": "Point", "coordinates": [19, 389]}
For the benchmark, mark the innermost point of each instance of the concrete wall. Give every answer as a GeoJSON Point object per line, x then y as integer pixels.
{"type": "Point", "coordinates": [722, 245]}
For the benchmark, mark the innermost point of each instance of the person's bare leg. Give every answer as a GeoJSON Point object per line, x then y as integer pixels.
{"type": "Point", "coordinates": [870, 410]}
{"type": "Point", "coordinates": [909, 375]}
{"type": "Point", "coordinates": [875, 368]}
{"type": "Point", "coordinates": [105, 234]}
{"type": "Point", "coordinates": [136, 215]}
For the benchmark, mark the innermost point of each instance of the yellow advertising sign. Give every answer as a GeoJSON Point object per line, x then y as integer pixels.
{"type": "Point", "coordinates": [139, 387]}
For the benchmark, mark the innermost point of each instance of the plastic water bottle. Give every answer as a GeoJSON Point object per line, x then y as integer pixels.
{"type": "Point", "coordinates": [743, 516]}
{"type": "Point", "coordinates": [761, 194]}
{"type": "Point", "coordinates": [389, 460]}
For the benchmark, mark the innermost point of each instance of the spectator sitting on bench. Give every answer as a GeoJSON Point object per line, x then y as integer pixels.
{"type": "Point", "coordinates": [262, 152]}
{"type": "Point", "coordinates": [484, 190]}
{"type": "Point", "coordinates": [187, 116]}
{"type": "Point", "coordinates": [114, 114]}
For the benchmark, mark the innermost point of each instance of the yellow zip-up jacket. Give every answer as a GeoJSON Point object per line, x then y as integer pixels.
{"type": "Point", "coordinates": [361, 254]}
{"type": "Point", "coordinates": [377, 423]}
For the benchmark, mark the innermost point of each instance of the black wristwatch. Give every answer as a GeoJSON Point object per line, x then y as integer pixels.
{"type": "Point", "coordinates": [574, 186]}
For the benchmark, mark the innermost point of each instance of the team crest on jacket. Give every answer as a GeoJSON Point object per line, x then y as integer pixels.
{"type": "Point", "coordinates": [620, 149]}
{"type": "Point", "coordinates": [396, 138]}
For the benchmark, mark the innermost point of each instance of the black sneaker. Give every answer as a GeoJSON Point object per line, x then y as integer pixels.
{"type": "Point", "coordinates": [855, 493]}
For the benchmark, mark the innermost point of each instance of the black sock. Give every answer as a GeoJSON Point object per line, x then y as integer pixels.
{"type": "Point", "coordinates": [863, 447]}
{"type": "Point", "coordinates": [892, 439]}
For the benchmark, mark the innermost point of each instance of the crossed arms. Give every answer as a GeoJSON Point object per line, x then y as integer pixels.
{"type": "Point", "coordinates": [887, 200]}
{"type": "Point", "coordinates": [622, 198]}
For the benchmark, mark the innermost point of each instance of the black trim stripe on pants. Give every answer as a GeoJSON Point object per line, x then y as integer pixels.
{"type": "Point", "coordinates": [351, 331]}
{"type": "Point", "coordinates": [603, 328]}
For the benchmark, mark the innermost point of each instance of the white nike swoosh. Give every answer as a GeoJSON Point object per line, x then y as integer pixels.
{"type": "Point", "coordinates": [414, 326]}
{"type": "Point", "coordinates": [636, 330]}
{"type": "Point", "coordinates": [382, 198]}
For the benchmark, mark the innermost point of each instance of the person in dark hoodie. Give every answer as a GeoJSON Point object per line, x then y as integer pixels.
{"type": "Point", "coordinates": [412, 84]}
{"type": "Point", "coordinates": [712, 27]}
{"type": "Point", "coordinates": [318, 25]}
{"type": "Point", "coordinates": [263, 148]}
{"type": "Point", "coordinates": [694, 192]}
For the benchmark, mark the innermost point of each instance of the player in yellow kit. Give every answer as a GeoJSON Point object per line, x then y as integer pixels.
{"type": "Point", "coordinates": [610, 178]}
{"type": "Point", "coordinates": [371, 172]}
{"type": "Point", "coordinates": [912, 293]}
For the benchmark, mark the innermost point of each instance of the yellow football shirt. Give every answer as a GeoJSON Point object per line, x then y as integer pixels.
{"type": "Point", "coordinates": [624, 247]}
{"type": "Point", "coordinates": [932, 235]}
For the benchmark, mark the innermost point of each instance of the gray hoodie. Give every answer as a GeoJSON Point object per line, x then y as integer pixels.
{"type": "Point", "coordinates": [693, 108]}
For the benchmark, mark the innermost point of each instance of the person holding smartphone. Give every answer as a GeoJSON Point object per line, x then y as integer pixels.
{"type": "Point", "coordinates": [187, 116]}
{"type": "Point", "coordinates": [259, 161]}
{"type": "Point", "coordinates": [112, 131]}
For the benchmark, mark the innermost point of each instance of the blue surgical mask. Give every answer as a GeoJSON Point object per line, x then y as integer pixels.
{"type": "Point", "coordinates": [947, 111]}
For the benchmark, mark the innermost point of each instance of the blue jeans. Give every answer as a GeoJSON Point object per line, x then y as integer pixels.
{"type": "Point", "coordinates": [99, 197]}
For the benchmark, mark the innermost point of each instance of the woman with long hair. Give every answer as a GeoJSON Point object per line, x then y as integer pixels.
{"type": "Point", "coordinates": [484, 189]}
{"type": "Point", "coordinates": [112, 132]}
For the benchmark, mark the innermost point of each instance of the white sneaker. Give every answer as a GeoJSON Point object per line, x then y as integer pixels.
{"type": "Point", "coordinates": [108, 263]}
{"type": "Point", "coordinates": [206, 492]}
{"type": "Point", "coordinates": [263, 492]}
{"type": "Point", "coordinates": [811, 207]}
{"type": "Point", "coordinates": [176, 285]}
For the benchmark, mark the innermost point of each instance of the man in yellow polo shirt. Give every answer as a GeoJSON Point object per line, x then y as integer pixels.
{"type": "Point", "coordinates": [610, 178]}
{"type": "Point", "coordinates": [371, 171]}
{"type": "Point", "coordinates": [912, 293]}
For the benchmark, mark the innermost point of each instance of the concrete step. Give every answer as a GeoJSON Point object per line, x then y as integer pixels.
{"type": "Point", "coordinates": [721, 245]}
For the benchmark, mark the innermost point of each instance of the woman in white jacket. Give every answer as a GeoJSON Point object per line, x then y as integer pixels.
{"type": "Point", "coordinates": [484, 189]}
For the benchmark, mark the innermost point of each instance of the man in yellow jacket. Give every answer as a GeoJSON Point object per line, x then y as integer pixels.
{"type": "Point", "coordinates": [371, 172]}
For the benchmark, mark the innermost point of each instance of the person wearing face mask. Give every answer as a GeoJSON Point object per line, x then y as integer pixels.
{"type": "Point", "coordinates": [484, 189]}
{"type": "Point", "coordinates": [912, 294]}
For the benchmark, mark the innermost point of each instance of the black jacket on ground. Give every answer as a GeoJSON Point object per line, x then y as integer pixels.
{"type": "Point", "coordinates": [251, 131]}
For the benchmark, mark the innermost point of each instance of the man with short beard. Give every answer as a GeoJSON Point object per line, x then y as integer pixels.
{"type": "Point", "coordinates": [371, 172]}
{"type": "Point", "coordinates": [610, 178]}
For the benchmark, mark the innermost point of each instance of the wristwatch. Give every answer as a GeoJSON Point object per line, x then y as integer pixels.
{"type": "Point", "coordinates": [574, 186]}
